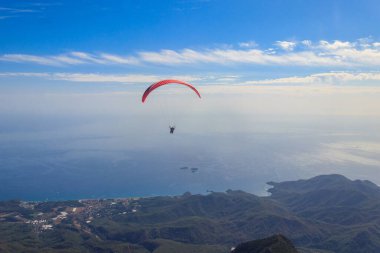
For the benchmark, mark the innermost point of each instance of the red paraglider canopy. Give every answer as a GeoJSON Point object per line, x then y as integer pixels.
{"type": "Point", "coordinates": [165, 82]}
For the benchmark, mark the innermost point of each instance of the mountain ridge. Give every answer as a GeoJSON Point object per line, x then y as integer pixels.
{"type": "Point", "coordinates": [328, 213]}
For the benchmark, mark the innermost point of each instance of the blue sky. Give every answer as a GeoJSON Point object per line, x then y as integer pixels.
{"type": "Point", "coordinates": [48, 27]}
{"type": "Point", "coordinates": [290, 89]}
{"type": "Point", "coordinates": [207, 41]}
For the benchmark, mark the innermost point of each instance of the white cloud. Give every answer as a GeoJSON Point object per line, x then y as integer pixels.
{"type": "Point", "coordinates": [328, 78]}
{"type": "Point", "coordinates": [98, 78]}
{"type": "Point", "coordinates": [13, 10]}
{"type": "Point", "coordinates": [23, 74]}
{"type": "Point", "coordinates": [78, 77]}
{"type": "Point", "coordinates": [320, 78]}
{"type": "Point", "coordinates": [343, 54]}
{"type": "Point", "coordinates": [307, 43]}
{"type": "Point", "coordinates": [88, 57]}
{"type": "Point", "coordinates": [233, 56]}
{"type": "Point", "coordinates": [6, 13]}
{"type": "Point", "coordinates": [24, 58]}
{"type": "Point", "coordinates": [119, 59]}
{"type": "Point", "coordinates": [335, 45]}
{"type": "Point", "coordinates": [248, 44]}
{"type": "Point", "coordinates": [286, 45]}
{"type": "Point", "coordinates": [72, 58]}
{"type": "Point", "coordinates": [323, 54]}
{"type": "Point", "coordinates": [63, 59]}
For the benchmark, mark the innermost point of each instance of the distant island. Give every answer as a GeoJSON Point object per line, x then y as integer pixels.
{"type": "Point", "coordinates": [193, 169]}
{"type": "Point", "coordinates": [327, 213]}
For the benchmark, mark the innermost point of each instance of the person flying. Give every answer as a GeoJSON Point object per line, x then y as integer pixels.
{"type": "Point", "coordinates": [163, 83]}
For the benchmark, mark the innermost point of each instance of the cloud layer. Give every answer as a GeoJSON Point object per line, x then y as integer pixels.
{"type": "Point", "coordinates": [360, 53]}
{"type": "Point", "coordinates": [321, 78]}
{"type": "Point", "coordinates": [99, 78]}
{"type": "Point", "coordinates": [327, 78]}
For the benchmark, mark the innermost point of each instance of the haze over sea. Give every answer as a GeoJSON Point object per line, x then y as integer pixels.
{"type": "Point", "coordinates": [101, 144]}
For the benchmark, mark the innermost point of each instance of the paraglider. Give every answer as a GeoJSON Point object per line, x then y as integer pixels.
{"type": "Point", "coordinates": [166, 82]}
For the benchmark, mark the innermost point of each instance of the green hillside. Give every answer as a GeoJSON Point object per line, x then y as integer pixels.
{"type": "Point", "coordinates": [322, 214]}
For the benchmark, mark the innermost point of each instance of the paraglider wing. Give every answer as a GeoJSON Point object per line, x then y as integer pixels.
{"type": "Point", "coordinates": [165, 82]}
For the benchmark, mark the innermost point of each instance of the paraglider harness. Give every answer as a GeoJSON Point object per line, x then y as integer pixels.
{"type": "Point", "coordinates": [172, 128]}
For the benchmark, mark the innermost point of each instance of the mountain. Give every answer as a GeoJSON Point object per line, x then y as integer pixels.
{"type": "Point", "coordinates": [273, 244]}
{"type": "Point", "coordinates": [332, 199]}
{"type": "Point", "coordinates": [349, 210]}
{"type": "Point", "coordinates": [327, 213]}
{"type": "Point", "coordinates": [217, 218]}
{"type": "Point", "coordinates": [325, 191]}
